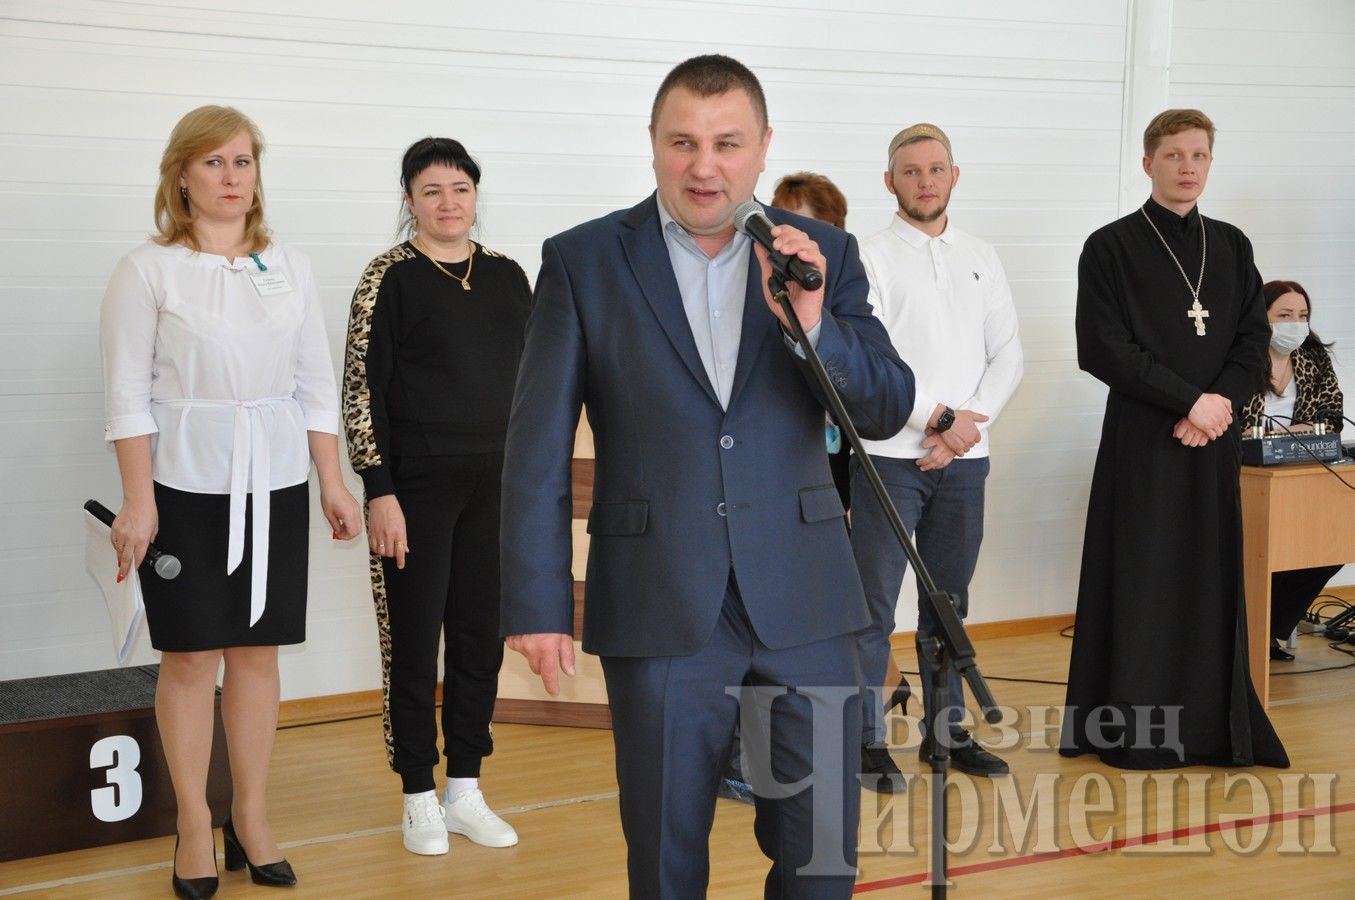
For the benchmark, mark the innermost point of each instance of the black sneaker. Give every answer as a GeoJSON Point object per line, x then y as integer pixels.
{"type": "Point", "coordinates": [879, 772]}
{"type": "Point", "coordinates": [968, 757]}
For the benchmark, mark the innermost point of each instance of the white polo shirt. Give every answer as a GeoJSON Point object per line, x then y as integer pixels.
{"type": "Point", "coordinates": [948, 309]}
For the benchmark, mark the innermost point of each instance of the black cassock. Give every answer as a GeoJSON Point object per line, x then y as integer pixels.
{"type": "Point", "coordinates": [1161, 624]}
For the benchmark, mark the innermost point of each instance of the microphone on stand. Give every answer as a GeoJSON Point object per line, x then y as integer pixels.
{"type": "Point", "coordinates": [166, 566]}
{"type": "Point", "coordinates": [752, 221]}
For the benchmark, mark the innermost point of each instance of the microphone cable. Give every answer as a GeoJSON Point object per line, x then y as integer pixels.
{"type": "Point", "coordinates": [1323, 463]}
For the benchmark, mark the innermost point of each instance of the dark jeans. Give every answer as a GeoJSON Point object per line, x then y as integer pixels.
{"type": "Point", "coordinates": [943, 510]}
{"type": "Point", "coordinates": [448, 589]}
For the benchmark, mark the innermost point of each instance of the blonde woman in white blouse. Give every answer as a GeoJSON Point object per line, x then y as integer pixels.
{"type": "Point", "coordinates": [220, 393]}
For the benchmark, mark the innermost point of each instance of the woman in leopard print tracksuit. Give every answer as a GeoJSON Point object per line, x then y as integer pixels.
{"type": "Point", "coordinates": [434, 338]}
{"type": "Point", "coordinates": [1302, 391]}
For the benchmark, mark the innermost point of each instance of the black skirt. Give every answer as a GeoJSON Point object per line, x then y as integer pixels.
{"type": "Point", "coordinates": [206, 609]}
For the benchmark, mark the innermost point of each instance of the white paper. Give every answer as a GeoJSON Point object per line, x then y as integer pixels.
{"type": "Point", "coordinates": [270, 284]}
{"type": "Point", "coordinates": [126, 609]}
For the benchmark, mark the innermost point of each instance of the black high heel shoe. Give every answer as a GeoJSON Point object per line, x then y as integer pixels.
{"type": "Point", "coordinates": [277, 874]}
{"type": "Point", "coordinates": [193, 888]}
{"type": "Point", "coordinates": [1278, 653]}
{"type": "Point", "coordinates": [900, 696]}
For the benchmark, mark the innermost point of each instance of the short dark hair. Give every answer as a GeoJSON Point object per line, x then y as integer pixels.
{"type": "Point", "coordinates": [707, 76]}
{"type": "Point", "coordinates": [432, 151]}
{"type": "Point", "coordinates": [815, 191]}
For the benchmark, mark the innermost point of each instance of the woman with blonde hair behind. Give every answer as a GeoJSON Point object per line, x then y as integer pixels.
{"type": "Point", "coordinates": [219, 393]}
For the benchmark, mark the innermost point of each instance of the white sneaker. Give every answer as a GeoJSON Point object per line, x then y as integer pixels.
{"type": "Point", "coordinates": [467, 814]}
{"type": "Point", "coordinates": [422, 826]}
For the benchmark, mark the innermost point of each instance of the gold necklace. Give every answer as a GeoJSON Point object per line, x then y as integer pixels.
{"type": "Point", "coordinates": [470, 261]}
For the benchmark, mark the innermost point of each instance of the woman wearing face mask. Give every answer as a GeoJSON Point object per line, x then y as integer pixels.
{"type": "Point", "coordinates": [434, 338]}
{"type": "Point", "coordinates": [1302, 392]}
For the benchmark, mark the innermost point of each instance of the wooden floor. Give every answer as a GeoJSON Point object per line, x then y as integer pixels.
{"type": "Point", "coordinates": [336, 808]}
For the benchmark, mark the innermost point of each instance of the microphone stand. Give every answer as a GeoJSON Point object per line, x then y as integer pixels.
{"type": "Point", "coordinates": [949, 646]}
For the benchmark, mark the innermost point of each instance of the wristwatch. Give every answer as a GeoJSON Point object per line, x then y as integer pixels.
{"type": "Point", "coordinates": [945, 420]}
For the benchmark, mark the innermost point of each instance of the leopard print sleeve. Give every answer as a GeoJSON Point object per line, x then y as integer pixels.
{"type": "Point", "coordinates": [1253, 411]}
{"type": "Point", "coordinates": [1317, 387]}
{"type": "Point", "coordinates": [362, 414]}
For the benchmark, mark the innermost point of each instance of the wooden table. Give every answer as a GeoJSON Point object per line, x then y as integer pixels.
{"type": "Point", "coordinates": [1293, 517]}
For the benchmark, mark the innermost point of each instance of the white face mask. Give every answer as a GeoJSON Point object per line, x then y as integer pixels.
{"type": "Point", "coordinates": [1286, 337]}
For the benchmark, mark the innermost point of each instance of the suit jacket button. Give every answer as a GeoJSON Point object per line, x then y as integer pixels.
{"type": "Point", "coordinates": [720, 509]}
{"type": "Point", "coordinates": [726, 441]}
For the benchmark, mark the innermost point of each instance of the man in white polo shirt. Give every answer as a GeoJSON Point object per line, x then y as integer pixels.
{"type": "Point", "coordinates": [944, 299]}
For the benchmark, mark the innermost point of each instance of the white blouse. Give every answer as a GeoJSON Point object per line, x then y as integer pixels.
{"type": "Point", "coordinates": [1281, 406]}
{"type": "Point", "coordinates": [226, 372]}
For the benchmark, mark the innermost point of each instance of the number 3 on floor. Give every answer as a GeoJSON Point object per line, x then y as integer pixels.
{"type": "Point", "coordinates": [120, 755]}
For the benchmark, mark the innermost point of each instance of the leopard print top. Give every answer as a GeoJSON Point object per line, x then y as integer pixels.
{"type": "Point", "coordinates": [1317, 390]}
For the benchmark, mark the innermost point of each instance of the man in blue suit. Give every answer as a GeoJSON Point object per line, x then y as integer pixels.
{"type": "Point", "coordinates": [718, 555]}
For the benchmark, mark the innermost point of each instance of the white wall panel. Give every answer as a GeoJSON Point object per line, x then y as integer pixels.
{"type": "Point", "coordinates": [553, 98]}
{"type": "Point", "coordinates": [1280, 86]}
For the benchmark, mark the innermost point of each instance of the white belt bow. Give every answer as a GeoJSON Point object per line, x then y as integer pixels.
{"type": "Point", "coordinates": [250, 457]}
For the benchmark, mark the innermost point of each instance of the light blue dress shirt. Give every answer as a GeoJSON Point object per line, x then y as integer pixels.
{"type": "Point", "coordinates": [713, 290]}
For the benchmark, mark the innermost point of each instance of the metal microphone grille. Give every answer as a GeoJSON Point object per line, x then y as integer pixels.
{"type": "Point", "coordinates": [744, 212]}
{"type": "Point", "coordinates": [168, 567]}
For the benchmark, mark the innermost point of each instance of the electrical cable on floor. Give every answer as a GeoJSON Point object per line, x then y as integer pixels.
{"type": "Point", "coordinates": [1313, 617]}
{"type": "Point", "coordinates": [988, 677]}
{"type": "Point", "coordinates": [1350, 665]}
{"type": "Point", "coordinates": [1333, 645]}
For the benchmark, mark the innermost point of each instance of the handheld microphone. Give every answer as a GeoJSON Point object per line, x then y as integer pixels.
{"type": "Point", "coordinates": [166, 566]}
{"type": "Point", "coordinates": [752, 221]}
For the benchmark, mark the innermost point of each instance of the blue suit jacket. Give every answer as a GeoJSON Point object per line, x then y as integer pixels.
{"type": "Point", "coordinates": [674, 508]}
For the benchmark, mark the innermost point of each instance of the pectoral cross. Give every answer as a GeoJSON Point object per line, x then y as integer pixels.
{"type": "Point", "coordinates": [1199, 314]}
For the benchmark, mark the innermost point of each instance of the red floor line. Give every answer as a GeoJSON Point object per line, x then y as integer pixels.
{"type": "Point", "coordinates": [866, 887]}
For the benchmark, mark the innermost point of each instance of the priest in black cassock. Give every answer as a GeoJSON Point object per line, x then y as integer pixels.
{"type": "Point", "coordinates": [1170, 316]}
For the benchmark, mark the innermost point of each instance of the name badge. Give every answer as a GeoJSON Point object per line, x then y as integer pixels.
{"type": "Point", "coordinates": [270, 284]}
